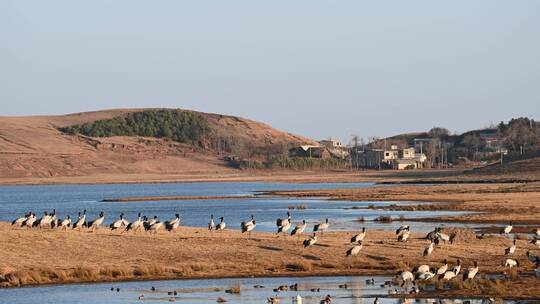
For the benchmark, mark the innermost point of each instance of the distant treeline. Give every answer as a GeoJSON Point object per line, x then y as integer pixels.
{"type": "Point", "coordinates": [178, 125]}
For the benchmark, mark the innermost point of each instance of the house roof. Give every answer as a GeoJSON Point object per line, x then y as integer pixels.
{"type": "Point", "coordinates": [307, 147]}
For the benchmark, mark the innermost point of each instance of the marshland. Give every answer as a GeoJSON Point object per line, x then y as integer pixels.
{"type": "Point", "coordinates": [44, 256]}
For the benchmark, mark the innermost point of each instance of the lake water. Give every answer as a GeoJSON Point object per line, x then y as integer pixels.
{"type": "Point", "coordinates": [208, 291]}
{"type": "Point", "coordinates": [70, 199]}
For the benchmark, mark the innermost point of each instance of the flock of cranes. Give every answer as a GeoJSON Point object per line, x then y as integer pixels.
{"type": "Point", "coordinates": [424, 272]}
{"type": "Point", "coordinates": [50, 220]}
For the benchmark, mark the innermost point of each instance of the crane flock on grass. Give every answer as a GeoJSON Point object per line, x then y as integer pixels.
{"type": "Point", "coordinates": [444, 272]}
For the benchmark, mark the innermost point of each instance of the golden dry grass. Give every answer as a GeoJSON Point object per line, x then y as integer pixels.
{"type": "Point", "coordinates": [51, 256]}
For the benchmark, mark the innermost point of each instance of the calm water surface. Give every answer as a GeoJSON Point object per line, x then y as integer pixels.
{"type": "Point", "coordinates": [208, 291]}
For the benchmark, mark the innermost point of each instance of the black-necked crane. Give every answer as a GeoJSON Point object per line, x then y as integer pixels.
{"type": "Point", "coordinates": [54, 219]}
{"type": "Point", "coordinates": [135, 225]}
{"type": "Point", "coordinates": [424, 276]}
{"type": "Point", "coordinates": [448, 275]}
{"type": "Point", "coordinates": [173, 224]}
{"type": "Point", "coordinates": [443, 236]}
{"type": "Point", "coordinates": [96, 223]}
{"type": "Point", "coordinates": [403, 236]}
{"type": "Point", "coordinates": [506, 230]}
{"type": "Point", "coordinates": [152, 221]}
{"type": "Point", "coordinates": [20, 221]}
{"type": "Point", "coordinates": [120, 223]}
{"type": "Point", "coordinates": [471, 272]}
{"type": "Point", "coordinates": [46, 220]}
{"type": "Point", "coordinates": [81, 221]}
{"type": "Point", "coordinates": [359, 237]}
{"type": "Point", "coordinates": [248, 226]}
{"type": "Point", "coordinates": [221, 225]}
{"type": "Point", "coordinates": [250, 222]}
{"type": "Point", "coordinates": [146, 223]}
{"type": "Point", "coordinates": [443, 268]}
{"type": "Point", "coordinates": [402, 229]}
{"type": "Point", "coordinates": [510, 250]}
{"type": "Point", "coordinates": [211, 224]}
{"type": "Point", "coordinates": [421, 269]}
{"type": "Point", "coordinates": [65, 223]}
{"type": "Point", "coordinates": [280, 222]}
{"type": "Point", "coordinates": [299, 229]}
{"type": "Point", "coordinates": [511, 263]}
{"type": "Point", "coordinates": [322, 227]}
{"type": "Point", "coordinates": [429, 249]}
{"type": "Point", "coordinates": [405, 276]}
{"type": "Point", "coordinates": [432, 235]}
{"type": "Point", "coordinates": [30, 220]}
{"type": "Point", "coordinates": [156, 227]}
{"type": "Point", "coordinates": [326, 300]}
{"type": "Point", "coordinates": [284, 224]}
{"type": "Point", "coordinates": [536, 242]}
{"type": "Point", "coordinates": [42, 219]}
{"type": "Point", "coordinates": [310, 241]}
{"type": "Point", "coordinates": [355, 250]}
{"type": "Point", "coordinates": [457, 267]}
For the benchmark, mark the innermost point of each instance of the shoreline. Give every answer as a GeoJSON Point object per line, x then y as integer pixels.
{"type": "Point", "coordinates": [428, 176]}
{"type": "Point", "coordinates": [247, 176]}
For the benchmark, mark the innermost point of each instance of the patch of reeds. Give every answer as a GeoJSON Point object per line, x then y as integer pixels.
{"type": "Point", "coordinates": [236, 288]}
{"type": "Point", "coordinates": [298, 266]}
{"type": "Point", "coordinates": [298, 207]}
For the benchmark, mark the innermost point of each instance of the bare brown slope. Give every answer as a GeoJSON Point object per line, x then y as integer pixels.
{"type": "Point", "coordinates": [32, 147]}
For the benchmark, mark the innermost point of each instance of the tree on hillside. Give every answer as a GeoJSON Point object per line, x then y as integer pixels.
{"type": "Point", "coordinates": [178, 125]}
{"type": "Point", "coordinates": [520, 134]}
{"type": "Point", "coordinates": [438, 132]}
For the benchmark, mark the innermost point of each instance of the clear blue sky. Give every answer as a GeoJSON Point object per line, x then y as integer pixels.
{"type": "Point", "coordinates": [317, 67]}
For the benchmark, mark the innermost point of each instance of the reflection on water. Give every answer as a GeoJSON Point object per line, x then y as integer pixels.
{"type": "Point", "coordinates": [208, 291]}
{"type": "Point", "coordinates": [70, 199]}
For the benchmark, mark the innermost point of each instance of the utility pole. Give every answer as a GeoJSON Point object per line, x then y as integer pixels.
{"type": "Point", "coordinates": [439, 154]}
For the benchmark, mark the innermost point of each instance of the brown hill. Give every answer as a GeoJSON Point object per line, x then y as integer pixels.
{"type": "Point", "coordinates": [33, 147]}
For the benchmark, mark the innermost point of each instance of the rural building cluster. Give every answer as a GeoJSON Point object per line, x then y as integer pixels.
{"type": "Point", "coordinates": [437, 148]}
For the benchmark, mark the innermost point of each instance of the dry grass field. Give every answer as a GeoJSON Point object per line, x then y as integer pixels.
{"type": "Point", "coordinates": [52, 256]}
